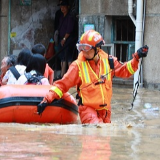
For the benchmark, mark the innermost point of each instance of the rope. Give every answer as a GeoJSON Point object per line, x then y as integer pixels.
{"type": "Point", "coordinates": [136, 86]}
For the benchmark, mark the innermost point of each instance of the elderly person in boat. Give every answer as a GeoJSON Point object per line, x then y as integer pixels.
{"type": "Point", "coordinates": [6, 63]}
{"type": "Point", "coordinates": [12, 76]}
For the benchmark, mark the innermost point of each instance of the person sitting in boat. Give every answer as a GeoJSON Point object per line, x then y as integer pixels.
{"type": "Point", "coordinates": [6, 63]}
{"type": "Point", "coordinates": [34, 71]}
{"type": "Point", "coordinates": [14, 73]}
{"type": "Point", "coordinates": [49, 73]}
{"type": "Point", "coordinates": [92, 73]}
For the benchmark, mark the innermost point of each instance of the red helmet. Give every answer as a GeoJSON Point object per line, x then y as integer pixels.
{"type": "Point", "coordinates": [92, 38]}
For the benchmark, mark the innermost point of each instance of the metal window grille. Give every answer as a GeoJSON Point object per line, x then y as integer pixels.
{"type": "Point", "coordinates": [123, 38]}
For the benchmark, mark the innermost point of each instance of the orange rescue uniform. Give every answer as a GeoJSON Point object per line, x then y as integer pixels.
{"type": "Point", "coordinates": [94, 85]}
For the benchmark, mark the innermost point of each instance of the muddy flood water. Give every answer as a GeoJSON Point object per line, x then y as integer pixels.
{"type": "Point", "coordinates": [132, 135]}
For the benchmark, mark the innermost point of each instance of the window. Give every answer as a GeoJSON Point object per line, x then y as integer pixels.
{"type": "Point", "coordinates": [123, 38]}
{"type": "Point", "coordinates": [108, 48]}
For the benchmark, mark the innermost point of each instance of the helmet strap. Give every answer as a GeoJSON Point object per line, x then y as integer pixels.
{"type": "Point", "coordinates": [95, 53]}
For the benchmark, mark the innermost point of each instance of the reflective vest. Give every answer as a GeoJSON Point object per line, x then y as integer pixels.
{"type": "Point", "coordinates": [95, 90]}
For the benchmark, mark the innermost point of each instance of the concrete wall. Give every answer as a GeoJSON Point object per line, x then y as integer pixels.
{"type": "Point", "coordinates": [152, 39]}
{"type": "Point", "coordinates": [107, 7]}
{"type": "Point", "coordinates": [32, 24]}
{"type": "Point", "coordinates": [3, 28]}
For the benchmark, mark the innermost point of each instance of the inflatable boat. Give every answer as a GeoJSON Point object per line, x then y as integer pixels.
{"type": "Point", "coordinates": [18, 103]}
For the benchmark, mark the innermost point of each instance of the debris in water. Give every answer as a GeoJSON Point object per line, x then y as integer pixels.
{"type": "Point", "coordinates": [129, 126]}
{"type": "Point", "coordinates": [147, 105]}
{"type": "Point", "coordinates": [99, 127]}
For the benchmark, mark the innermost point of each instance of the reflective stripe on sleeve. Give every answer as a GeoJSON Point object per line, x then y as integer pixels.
{"type": "Point", "coordinates": [129, 67]}
{"type": "Point", "coordinates": [57, 90]}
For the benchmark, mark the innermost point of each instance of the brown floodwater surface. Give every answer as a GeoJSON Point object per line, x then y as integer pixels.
{"type": "Point", "coordinates": [132, 135]}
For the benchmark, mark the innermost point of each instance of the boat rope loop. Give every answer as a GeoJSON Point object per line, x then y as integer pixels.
{"type": "Point", "coordinates": [41, 107]}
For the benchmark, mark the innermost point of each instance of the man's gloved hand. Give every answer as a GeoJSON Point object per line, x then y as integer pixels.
{"type": "Point", "coordinates": [41, 106]}
{"type": "Point", "coordinates": [143, 51]}
{"type": "Point", "coordinates": [50, 96]}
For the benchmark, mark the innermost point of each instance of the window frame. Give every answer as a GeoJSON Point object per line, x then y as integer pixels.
{"type": "Point", "coordinates": [118, 42]}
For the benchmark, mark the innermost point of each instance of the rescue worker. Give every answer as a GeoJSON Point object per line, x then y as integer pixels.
{"type": "Point", "coordinates": [92, 74]}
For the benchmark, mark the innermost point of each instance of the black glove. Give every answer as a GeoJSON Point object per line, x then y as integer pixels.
{"type": "Point", "coordinates": [142, 52]}
{"type": "Point", "coordinates": [41, 107]}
